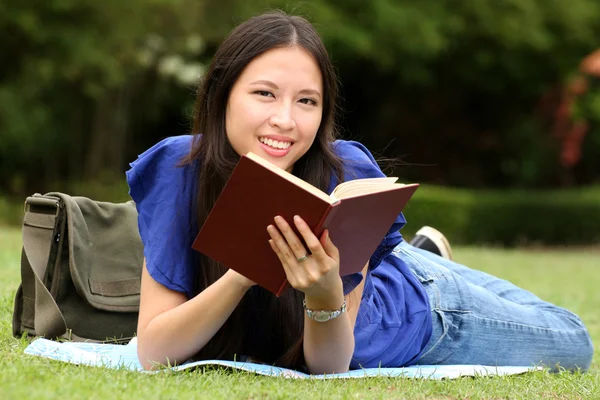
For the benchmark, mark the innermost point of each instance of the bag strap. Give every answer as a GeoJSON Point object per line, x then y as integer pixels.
{"type": "Point", "coordinates": [39, 225]}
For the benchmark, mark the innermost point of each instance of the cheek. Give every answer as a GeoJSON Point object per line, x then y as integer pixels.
{"type": "Point", "coordinates": [232, 116]}
{"type": "Point", "coordinates": [236, 122]}
{"type": "Point", "coordinates": [310, 125]}
{"type": "Point", "coordinates": [244, 115]}
{"type": "Point", "coordinates": [234, 128]}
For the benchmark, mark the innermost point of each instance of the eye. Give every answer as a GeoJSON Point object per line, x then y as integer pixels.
{"type": "Point", "coordinates": [264, 93]}
{"type": "Point", "coordinates": [308, 101]}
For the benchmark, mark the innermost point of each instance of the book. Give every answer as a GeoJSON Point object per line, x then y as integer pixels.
{"type": "Point", "coordinates": [358, 214]}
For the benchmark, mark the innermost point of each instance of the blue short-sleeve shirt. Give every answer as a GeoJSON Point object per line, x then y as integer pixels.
{"type": "Point", "coordinates": [164, 194]}
{"type": "Point", "coordinates": [394, 320]}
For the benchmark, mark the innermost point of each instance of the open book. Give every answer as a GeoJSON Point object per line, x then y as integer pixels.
{"type": "Point", "coordinates": [358, 214]}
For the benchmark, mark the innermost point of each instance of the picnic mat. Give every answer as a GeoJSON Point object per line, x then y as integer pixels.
{"type": "Point", "coordinates": [125, 357]}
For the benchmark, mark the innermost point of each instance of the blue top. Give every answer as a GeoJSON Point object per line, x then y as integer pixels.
{"type": "Point", "coordinates": [394, 320]}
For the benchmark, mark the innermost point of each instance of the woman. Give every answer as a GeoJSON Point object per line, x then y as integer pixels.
{"type": "Point", "coordinates": [271, 89]}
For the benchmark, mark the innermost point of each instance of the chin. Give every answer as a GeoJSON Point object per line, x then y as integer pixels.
{"type": "Point", "coordinates": [283, 165]}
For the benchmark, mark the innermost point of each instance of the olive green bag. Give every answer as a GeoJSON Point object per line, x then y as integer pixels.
{"type": "Point", "coordinates": [81, 267]}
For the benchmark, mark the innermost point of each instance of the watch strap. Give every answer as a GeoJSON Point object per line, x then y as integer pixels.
{"type": "Point", "coordinates": [324, 315]}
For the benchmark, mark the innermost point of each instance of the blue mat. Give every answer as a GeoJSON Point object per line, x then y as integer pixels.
{"type": "Point", "coordinates": [125, 357]}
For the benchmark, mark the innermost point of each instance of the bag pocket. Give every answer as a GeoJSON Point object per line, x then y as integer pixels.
{"type": "Point", "coordinates": [105, 265]}
{"type": "Point", "coordinates": [106, 254]}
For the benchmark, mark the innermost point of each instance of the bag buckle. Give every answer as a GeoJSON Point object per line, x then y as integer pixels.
{"type": "Point", "coordinates": [38, 200]}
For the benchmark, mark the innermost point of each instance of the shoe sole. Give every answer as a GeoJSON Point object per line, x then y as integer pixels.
{"type": "Point", "coordinates": [438, 239]}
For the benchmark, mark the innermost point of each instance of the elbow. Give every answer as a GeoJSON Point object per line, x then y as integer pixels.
{"type": "Point", "coordinates": [329, 370]}
{"type": "Point", "coordinates": [147, 366]}
{"type": "Point", "coordinates": [145, 359]}
{"type": "Point", "coordinates": [328, 363]}
{"type": "Point", "coordinates": [150, 357]}
{"type": "Point", "coordinates": [148, 363]}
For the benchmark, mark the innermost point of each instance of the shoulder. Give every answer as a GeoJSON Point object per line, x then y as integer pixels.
{"type": "Point", "coordinates": [349, 150]}
{"type": "Point", "coordinates": [164, 193]}
{"type": "Point", "coordinates": [358, 163]}
{"type": "Point", "coordinates": [160, 163]}
{"type": "Point", "coordinates": [169, 150]}
{"type": "Point", "coordinates": [357, 160]}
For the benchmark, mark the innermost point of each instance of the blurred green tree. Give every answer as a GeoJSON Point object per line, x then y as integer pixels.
{"type": "Point", "coordinates": [78, 80]}
{"type": "Point", "coordinates": [453, 86]}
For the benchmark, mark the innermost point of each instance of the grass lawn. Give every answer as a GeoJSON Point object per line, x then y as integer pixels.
{"type": "Point", "coordinates": [569, 278]}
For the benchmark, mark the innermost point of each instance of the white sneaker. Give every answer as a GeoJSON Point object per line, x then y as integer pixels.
{"type": "Point", "coordinates": [430, 239]}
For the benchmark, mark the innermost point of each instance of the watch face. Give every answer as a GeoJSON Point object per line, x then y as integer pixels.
{"type": "Point", "coordinates": [322, 316]}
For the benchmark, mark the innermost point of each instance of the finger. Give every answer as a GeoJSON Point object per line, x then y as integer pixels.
{"type": "Point", "coordinates": [275, 249]}
{"type": "Point", "coordinates": [328, 245]}
{"type": "Point", "coordinates": [291, 238]}
{"type": "Point", "coordinates": [289, 272]}
{"type": "Point", "coordinates": [313, 244]}
{"type": "Point", "coordinates": [287, 256]}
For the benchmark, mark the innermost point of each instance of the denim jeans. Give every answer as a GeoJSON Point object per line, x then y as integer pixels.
{"type": "Point", "coordinates": [484, 320]}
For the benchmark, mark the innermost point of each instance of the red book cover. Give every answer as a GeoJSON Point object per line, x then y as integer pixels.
{"type": "Point", "coordinates": [235, 232]}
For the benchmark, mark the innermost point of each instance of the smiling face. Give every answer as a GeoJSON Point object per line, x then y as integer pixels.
{"type": "Point", "coordinates": [275, 107]}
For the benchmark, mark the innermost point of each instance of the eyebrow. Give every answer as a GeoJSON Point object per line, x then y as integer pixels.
{"type": "Point", "coordinates": [274, 86]}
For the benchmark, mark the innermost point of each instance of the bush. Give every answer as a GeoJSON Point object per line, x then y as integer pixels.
{"type": "Point", "coordinates": [111, 190]}
{"type": "Point", "coordinates": [508, 218]}
{"type": "Point", "coordinates": [489, 217]}
{"type": "Point", "coordinates": [11, 212]}
{"type": "Point", "coordinates": [455, 84]}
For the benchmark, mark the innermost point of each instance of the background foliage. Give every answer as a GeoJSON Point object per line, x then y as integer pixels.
{"type": "Point", "coordinates": [466, 93]}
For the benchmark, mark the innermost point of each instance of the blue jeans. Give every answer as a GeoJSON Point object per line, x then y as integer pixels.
{"type": "Point", "coordinates": [484, 320]}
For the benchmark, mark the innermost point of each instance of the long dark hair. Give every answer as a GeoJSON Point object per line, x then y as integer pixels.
{"type": "Point", "coordinates": [276, 324]}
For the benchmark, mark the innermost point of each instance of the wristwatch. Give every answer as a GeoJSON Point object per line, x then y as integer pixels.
{"type": "Point", "coordinates": [324, 315]}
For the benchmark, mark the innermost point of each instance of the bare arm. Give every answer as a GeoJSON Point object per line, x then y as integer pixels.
{"type": "Point", "coordinates": [171, 329]}
{"type": "Point", "coordinates": [328, 346]}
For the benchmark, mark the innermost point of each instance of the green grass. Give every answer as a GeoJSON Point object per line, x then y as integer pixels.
{"type": "Point", "coordinates": [566, 277]}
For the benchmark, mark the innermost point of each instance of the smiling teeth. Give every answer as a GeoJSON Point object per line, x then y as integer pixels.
{"type": "Point", "coordinates": [275, 144]}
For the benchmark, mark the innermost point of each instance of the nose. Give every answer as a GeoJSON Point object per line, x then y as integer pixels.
{"type": "Point", "coordinates": [282, 118]}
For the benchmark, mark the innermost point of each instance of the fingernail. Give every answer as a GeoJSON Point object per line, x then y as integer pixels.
{"type": "Point", "coordinates": [297, 218]}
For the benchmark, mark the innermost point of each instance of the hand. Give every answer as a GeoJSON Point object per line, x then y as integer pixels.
{"type": "Point", "coordinates": [317, 274]}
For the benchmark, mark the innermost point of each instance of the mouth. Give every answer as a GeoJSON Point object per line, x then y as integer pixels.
{"type": "Point", "coordinates": [275, 144]}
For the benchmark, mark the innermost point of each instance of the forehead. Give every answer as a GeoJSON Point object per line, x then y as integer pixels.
{"type": "Point", "coordinates": [293, 65]}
